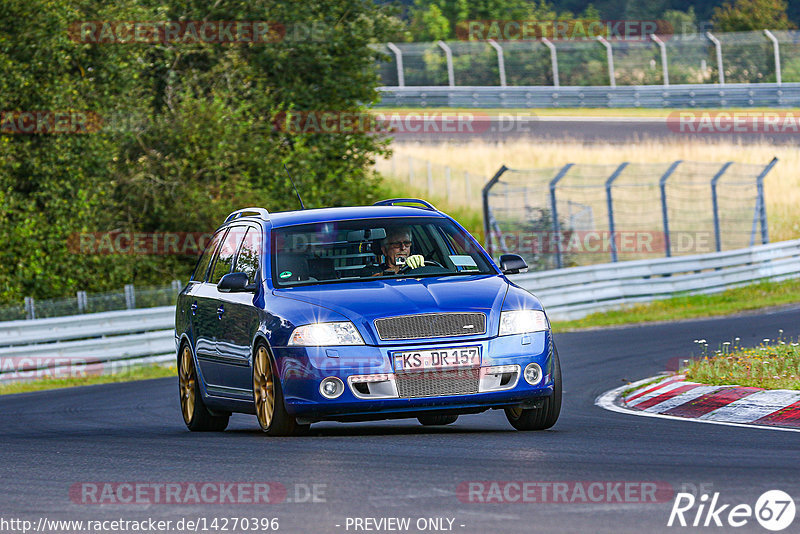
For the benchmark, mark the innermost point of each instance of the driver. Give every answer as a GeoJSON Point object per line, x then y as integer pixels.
{"type": "Point", "coordinates": [396, 249]}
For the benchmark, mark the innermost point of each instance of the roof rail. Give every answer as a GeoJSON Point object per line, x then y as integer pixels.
{"type": "Point", "coordinates": [392, 201]}
{"type": "Point", "coordinates": [260, 212]}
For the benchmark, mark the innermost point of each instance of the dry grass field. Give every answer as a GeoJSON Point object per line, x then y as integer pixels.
{"type": "Point", "coordinates": [482, 159]}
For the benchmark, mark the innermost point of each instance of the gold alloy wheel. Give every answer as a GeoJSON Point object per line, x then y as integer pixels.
{"type": "Point", "coordinates": [186, 380]}
{"type": "Point", "coordinates": [515, 412]}
{"type": "Point", "coordinates": [263, 388]}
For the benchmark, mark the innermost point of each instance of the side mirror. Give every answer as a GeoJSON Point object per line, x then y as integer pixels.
{"type": "Point", "coordinates": [234, 283]}
{"type": "Point", "coordinates": [511, 264]}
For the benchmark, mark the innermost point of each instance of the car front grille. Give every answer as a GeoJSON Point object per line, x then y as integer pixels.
{"type": "Point", "coordinates": [438, 383]}
{"type": "Point", "coordinates": [429, 325]}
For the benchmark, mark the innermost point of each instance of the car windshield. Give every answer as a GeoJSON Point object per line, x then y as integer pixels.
{"type": "Point", "coordinates": [369, 249]}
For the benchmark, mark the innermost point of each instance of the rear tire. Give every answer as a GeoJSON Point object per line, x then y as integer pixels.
{"type": "Point", "coordinates": [195, 414]}
{"type": "Point", "coordinates": [547, 414]}
{"type": "Point", "coordinates": [271, 412]}
{"type": "Point", "coordinates": [436, 420]}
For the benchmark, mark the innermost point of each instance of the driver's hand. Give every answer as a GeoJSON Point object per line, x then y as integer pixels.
{"type": "Point", "coordinates": [415, 261]}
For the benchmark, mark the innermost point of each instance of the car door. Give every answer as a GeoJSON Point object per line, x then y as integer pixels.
{"type": "Point", "coordinates": [211, 312]}
{"type": "Point", "coordinates": [240, 319]}
{"type": "Point", "coordinates": [201, 310]}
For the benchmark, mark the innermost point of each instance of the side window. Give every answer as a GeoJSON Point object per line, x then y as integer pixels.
{"type": "Point", "coordinates": [199, 274]}
{"type": "Point", "coordinates": [227, 250]}
{"type": "Point", "coordinates": [247, 260]}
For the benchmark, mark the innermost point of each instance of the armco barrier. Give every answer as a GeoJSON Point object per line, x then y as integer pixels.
{"type": "Point", "coordinates": [574, 292]}
{"type": "Point", "coordinates": [102, 341]}
{"type": "Point", "coordinates": [647, 96]}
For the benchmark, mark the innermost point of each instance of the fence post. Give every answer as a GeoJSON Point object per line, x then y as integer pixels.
{"type": "Point", "coordinates": [715, 205]}
{"type": "Point", "coordinates": [501, 64]}
{"type": "Point", "coordinates": [718, 47]}
{"type": "Point", "coordinates": [662, 183]}
{"type": "Point", "coordinates": [30, 308]}
{"type": "Point", "coordinates": [398, 54]}
{"type": "Point", "coordinates": [610, 204]}
{"type": "Point", "coordinates": [487, 212]}
{"type": "Point", "coordinates": [610, 59]}
{"type": "Point", "coordinates": [448, 54]}
{"type": "Point", "coordinates": [553, 60]}
{"type": "Point", "coordinates": [664, 66]}
{"type": "Point", "coordinates": [447, 183]}
{"type": "Point", "coordinates": [130, 297]}
{"type": "Point", "coordinates": [81, 295]}
{"type": "Point", "coordinates": [776, 52]}
{"type": "Point", "coordinates": [430, 178]}
{"type": "Point", "coordinates": [762, 206]}
{"type": "Point", "coordinates": [554, 209]}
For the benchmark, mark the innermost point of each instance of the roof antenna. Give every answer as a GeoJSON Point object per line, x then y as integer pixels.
{"type": "Point", "coordinates": [295, 187]}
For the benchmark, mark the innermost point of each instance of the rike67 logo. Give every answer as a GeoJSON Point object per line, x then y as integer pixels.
{"type": "Point", "coordinates": [774, 510]}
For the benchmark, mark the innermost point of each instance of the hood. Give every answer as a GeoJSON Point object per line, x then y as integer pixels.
{"type": "Point", "coordinates": [363, 302]}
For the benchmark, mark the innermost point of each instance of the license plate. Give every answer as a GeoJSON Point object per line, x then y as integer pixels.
{"type": "Point", "coordinates": [420, 360]}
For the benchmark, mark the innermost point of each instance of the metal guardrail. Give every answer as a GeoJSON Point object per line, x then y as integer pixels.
{"type": "Point", "coordinates": [742, 95]}
{"type": "Point", "coordinates": [574, 292]}
{"type": "Point", "coordinates": [106, 342]}
{"type": "Point", "coordinates": [95, 343]}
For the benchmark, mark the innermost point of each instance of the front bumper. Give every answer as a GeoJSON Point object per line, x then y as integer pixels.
{"type": "Point", "coordinates": [303, 368]}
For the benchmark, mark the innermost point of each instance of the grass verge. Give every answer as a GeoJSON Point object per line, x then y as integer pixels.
{"type": "Point", "coordinates": [751, 297]}
{"type": "Point", "coordinates": [143, 372]}
{"type": "Point", "coordinates": [774, 364]}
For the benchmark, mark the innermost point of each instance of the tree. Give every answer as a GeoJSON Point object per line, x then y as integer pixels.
{"type": "Point", "coordinates": [752, 15]}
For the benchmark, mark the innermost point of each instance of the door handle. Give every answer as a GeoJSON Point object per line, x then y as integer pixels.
{"type": "Point", "coordinates": [220, 311]}
{"type": "Point", "coordinates": [193, 307]}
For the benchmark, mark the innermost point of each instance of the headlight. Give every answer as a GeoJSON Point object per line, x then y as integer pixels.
{"type": "Point", "coordinates": [319, 334]}
{"type": "Point", "coordinates": [521, 321]}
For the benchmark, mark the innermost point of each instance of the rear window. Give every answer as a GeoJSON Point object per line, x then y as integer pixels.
{"type": "Point", "coordinates": [366, 249]}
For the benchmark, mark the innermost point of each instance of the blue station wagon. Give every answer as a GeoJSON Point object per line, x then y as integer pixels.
{"type": "Point", "coordinates": [359, 313]}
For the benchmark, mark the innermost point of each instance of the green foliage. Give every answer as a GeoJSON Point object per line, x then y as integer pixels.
{"type": "Point", "coordinates": [188, 130]}
{"type": "Point", "coordinates": [747, 15]}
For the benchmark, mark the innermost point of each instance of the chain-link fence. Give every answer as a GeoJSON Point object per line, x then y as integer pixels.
{"type": "Point", "coordinates": [744, 57]}
{"type": "Point", "coordinates": [583, 214]}
{"type": "Point", "coordinates": [434, 181]}
{"type": "Point", "coordinates": [131, 297]}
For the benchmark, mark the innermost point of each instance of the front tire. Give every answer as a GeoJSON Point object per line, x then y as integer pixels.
{"type": "Point", "coordinates": [547, 414]}
{"type": "Point", "coordinates": [271, 412]}
{"type": "Point", "coordinates": [195, 414]}
{"type": "Point", "coordinates": [436, 420]}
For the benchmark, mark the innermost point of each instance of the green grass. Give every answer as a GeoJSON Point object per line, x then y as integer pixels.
{"type": "Point", "coordinates": [574, 112]}
{"type": "Point", "coordinates": [774, 364]}
{"type": "Point", "coordinates": [144, 372]}
{"type": "Point", "coordinates": [751, 297]}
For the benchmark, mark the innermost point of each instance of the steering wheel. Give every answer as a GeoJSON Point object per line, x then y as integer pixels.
{"type": "Point", "coordinates": [406, 268]}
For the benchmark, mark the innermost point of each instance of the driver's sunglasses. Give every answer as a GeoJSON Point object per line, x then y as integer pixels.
{"type": "Point", "coordinates": [397, 245]}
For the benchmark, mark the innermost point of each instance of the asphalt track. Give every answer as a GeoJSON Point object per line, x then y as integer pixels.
{"type": "Point", "coordinates": [615, 130]}
{"type": "Point", "coordinates": [134, 432]}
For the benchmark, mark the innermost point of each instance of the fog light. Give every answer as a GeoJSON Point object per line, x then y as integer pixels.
{"type": "Point", "coordinates": [533, 374]}
{"type": "Point", "coordinates": [331, 387]}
